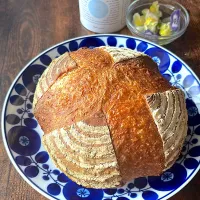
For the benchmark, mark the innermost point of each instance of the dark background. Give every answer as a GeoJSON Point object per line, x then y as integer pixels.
{"type": "Point", "coordinates": [27, 27]}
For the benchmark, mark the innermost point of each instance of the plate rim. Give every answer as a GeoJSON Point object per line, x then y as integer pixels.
{"type": "Point", "coordinates": [6, 146]}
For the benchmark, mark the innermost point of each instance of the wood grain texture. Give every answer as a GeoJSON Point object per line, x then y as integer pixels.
{"type": "Point", "coordinates": [29, 27]}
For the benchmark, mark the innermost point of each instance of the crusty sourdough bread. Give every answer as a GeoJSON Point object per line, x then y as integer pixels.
{"type": "Point", "coordinates": [108, 116]}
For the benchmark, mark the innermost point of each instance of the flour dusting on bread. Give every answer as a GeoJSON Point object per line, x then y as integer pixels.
{"type": "Point", "coordinates": [120, 54]}
{"type": "Point", "coordinates": [169, 113]}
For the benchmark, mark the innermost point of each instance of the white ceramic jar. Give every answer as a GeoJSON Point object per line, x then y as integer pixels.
{"type": "Point", "coordinates": [103, 16]}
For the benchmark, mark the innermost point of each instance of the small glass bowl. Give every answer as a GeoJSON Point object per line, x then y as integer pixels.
{"type": "Point", "coordinates": [167, 7]}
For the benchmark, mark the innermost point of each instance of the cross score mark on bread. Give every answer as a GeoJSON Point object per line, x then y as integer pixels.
{"type": "Point", "coordinates": [109, 116]}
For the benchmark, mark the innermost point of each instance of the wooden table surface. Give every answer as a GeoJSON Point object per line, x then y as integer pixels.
{"type": "Point", "coordinates": [29, 27]}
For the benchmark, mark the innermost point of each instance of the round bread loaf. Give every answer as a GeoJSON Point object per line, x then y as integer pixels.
{"type": "Point", "coordinates": [108, 116]}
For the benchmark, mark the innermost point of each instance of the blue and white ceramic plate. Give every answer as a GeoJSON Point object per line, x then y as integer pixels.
{"type": "Point", "coordinates": [22, 134]}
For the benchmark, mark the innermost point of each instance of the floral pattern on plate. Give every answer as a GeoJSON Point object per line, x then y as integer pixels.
{"type": "Point", "coordinates": [22, 134]}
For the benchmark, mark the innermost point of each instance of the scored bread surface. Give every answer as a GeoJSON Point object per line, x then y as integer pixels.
{"type": "Point", "coordinates": [109, 116]}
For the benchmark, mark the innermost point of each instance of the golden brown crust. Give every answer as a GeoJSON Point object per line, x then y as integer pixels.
{"type": "Point", "coordinates": [104, 90]}
{"type": "Point", "coordinates": [72, 95]}
{"type": "Point", "coordinates": [135, 137]}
